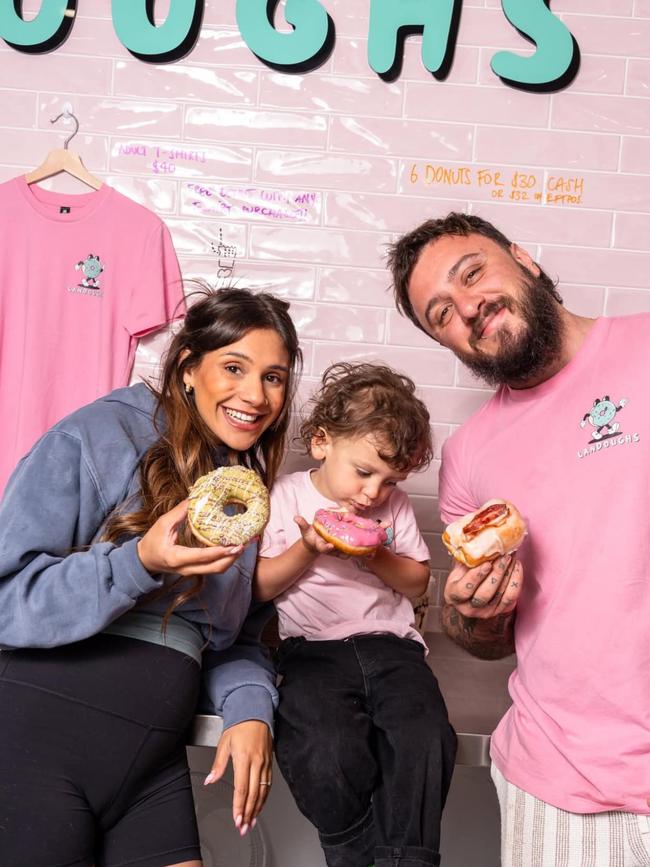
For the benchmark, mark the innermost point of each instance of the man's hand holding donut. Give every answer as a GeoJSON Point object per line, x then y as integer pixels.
{"type": "Point", "coordinates": [485, 584]}
{"type": "Point", "coordinates": [480, 605]}
{"type": "Point", "coordinates": [485, 591]}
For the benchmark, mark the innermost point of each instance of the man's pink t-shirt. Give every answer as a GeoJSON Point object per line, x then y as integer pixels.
{"type": "Point", "coordinates": [572, 454]}
{"type": "Point", "coordinates": [336, 598]}
{"type": "Point", "coordinates": [81, 278]}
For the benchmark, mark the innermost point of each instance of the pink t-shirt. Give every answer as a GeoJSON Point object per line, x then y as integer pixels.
{"type": "Point", "coordinates": [337, 598]}
{"type": "Point", "coordinates": [572, 454]}
{"type": "Point", "coordinates": [81, 278]}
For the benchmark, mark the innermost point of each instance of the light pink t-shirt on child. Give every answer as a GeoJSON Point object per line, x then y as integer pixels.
{"type": "Point", "coordinates": [336, 598]}
{"type": "Point", "coordinates": [573, 455]}
{"type": "Point", "coordinates": [82, 277]}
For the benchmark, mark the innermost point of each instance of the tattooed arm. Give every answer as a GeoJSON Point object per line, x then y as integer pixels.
{"type": "Point", "coordinates": [479, 607]}
{"type": "Point", "coordinates": [487, 639]}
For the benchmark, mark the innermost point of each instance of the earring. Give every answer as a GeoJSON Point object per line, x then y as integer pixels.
{"type": "Point", "coordinates": [188, 388]}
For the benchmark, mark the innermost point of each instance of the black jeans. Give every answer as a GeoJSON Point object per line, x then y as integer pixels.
{"type": "Point", "coordinates": [364, 743]}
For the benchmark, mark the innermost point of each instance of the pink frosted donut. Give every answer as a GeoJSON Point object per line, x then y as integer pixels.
{"type": "Point", "coordinates": [352, 534]}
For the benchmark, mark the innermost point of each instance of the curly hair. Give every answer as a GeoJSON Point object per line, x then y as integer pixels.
{"type": "Point", "coordinates": [403, 255]}
{"type": "Point", "coordinates": [359, 399]}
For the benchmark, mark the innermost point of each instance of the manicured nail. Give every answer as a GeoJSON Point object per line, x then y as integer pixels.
{"type": "Point", "coordinates": [238, 821]}
{"type": "Point", "coordinates": [243, 830]}
{"type": "Point", "coordinates": [253, 823]}
{"type": "Point", "coordinates": [210, 778]}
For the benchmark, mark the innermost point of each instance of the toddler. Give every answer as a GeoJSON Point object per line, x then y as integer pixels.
{"type": "Point", "coordinates": [362, 734]}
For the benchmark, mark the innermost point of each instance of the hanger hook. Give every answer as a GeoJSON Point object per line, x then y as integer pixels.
{"type": "Point", "coordinates": [67, 113]}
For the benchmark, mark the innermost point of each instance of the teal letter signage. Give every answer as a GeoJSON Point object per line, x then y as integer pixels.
{"type": "Point", "coordinates": [311, 25]}
{"type": "Point", "coordinates": [553, 65]}
{"type": "Point", "coordinates": [557, 51]}
{"type": "Point", "coordinates": [48, 30]}
{"type": "Point", "coordinates": [388, 17]}
{"type": "Point", "coordinates": [174, 38]}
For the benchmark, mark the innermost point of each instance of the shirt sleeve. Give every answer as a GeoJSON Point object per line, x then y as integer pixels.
{"type": "Point", "coordinates": [157, 292]}
{"type": "Point", "coordinates": [274, 540]}
{"type": "Point", "coordinates": [455, 497]}
{"type": "Point", "coordinates": [408, 539]}
{"type": "Point", "coordinates": [240, 681]}
{"type": "Point", "coordinates": [55, 586]}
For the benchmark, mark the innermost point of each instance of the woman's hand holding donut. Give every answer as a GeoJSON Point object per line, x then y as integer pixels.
{"type": "Point", "coordinates": [486, 591]}
{"type": "Point", "coordinates": [250, 746]}
{"type": "Point", "coordinates": [159, 550]}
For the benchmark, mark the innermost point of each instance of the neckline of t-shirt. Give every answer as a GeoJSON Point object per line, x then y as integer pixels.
{"type": "Point", "coordinates": [81, 205]}
{"type": "Point", "coordinates": [582, 358]}
{"type": "Point", "coordinates": [312, 486]}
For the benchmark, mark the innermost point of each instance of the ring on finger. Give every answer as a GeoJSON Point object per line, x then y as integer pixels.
{"type": "Point", "coordinates": [265, 782]}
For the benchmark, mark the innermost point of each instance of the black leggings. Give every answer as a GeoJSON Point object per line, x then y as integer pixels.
{"type": "Point", "coordinates": [93, 768]}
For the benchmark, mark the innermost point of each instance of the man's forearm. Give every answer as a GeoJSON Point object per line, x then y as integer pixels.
{"type": "Point", "coordinates": [487, 639]}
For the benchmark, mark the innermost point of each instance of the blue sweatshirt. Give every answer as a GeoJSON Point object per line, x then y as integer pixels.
{"type": "Point", "coordinates": [57, 501]}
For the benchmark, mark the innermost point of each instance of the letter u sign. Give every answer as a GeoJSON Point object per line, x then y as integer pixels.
{"type": "Point", "coordinates": [133, 21]}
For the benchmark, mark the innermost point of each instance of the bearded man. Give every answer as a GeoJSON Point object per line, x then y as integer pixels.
{"type": "Point", "coordinates": [565, 438]}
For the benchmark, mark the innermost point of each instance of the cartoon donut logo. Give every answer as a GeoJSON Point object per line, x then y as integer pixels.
{"type": "Point", "coordinates": [601, 418]}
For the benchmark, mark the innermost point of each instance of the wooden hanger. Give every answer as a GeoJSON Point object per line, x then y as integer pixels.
{"type": "Point", "coordinates": [64, 160]}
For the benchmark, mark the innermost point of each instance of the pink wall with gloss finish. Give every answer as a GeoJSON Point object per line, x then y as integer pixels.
{"type": "Point", "coordinates": [221, 120]}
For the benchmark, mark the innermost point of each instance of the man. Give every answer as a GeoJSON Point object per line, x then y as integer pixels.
{"type": "Point", "coordinates": [564, 438]}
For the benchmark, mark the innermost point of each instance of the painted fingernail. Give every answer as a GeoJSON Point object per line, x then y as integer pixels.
{"type": "Point", "coordinates": [253, 823]}
{"type": "Point", "coordinates": [209, 779]}
{"type": "Point", "coordinates": [243, 830]}
{"type": "Point", "coordinates": [238, 821]}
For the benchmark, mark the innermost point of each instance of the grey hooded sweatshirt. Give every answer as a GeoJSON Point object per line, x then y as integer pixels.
{"type": "Point", "coordinates": [57, 501]}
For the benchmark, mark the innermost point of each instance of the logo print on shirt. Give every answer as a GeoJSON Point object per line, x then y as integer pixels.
{"type": "Point", "coordinates": [605, 431]}
{"type": "Point", "coordinates": [91, 267]}
{"type": "Point", "coordinates": [600, 417]}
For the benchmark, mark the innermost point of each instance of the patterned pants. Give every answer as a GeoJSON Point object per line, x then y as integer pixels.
{"type": "Point", "coordinates": [535, 834]}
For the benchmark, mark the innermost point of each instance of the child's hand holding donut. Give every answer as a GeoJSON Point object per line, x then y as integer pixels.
{"type": "Point", "coordinates": [159, 550]}
{"type": "Point", "coordinates": [314, 543]}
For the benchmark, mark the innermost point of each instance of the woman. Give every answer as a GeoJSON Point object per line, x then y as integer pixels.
{"type": "Point", "coordinates": [97, 566]}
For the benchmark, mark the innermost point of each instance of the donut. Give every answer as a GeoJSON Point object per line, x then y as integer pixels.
{"type": "Point", "coordinates": [495, 529]}
{"type": "Point", "coordinates": [224, 486]}
{"type": "Point", "coordinates": [352, 534]}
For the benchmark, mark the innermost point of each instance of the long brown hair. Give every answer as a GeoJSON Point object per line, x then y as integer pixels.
{"type": "Point", "coordinates": [185, 448]}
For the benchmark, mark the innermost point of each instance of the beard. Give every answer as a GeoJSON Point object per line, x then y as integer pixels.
{"type": "Point", "coordinates": [520, 357]}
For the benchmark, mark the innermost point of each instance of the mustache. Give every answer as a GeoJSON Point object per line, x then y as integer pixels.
{"type": "Point", "coordinates": [488, 309]}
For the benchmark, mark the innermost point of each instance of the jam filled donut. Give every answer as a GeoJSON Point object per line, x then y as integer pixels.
{"type": "Point", "coordinates": [352, 534]}
{"type": "Point", "coordinates": [224, 486]}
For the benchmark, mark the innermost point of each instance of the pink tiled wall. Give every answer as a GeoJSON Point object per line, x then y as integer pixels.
{"type": "Point", "coordinates": [351, 161]}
